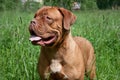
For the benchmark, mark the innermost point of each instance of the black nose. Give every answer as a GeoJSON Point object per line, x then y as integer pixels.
{"type": "Point", "coordinates": [33, 22]}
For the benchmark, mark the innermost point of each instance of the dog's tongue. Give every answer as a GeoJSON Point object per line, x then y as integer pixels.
{"type": "Point", "coordinates": [40, 41]}
{"type": "Point", "coordinates": [35, 38]}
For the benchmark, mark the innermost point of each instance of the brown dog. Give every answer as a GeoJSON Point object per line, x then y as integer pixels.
{"type": "Point", "coordinates": [62, 56]}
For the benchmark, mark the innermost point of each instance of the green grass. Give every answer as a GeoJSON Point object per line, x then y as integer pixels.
{"type": "Point", "coordinates": [18, 57]}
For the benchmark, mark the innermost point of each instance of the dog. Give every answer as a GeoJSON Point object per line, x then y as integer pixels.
{"type": "Point", "coordinates": [62, 56]}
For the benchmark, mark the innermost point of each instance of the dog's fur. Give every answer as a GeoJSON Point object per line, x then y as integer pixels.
{"type": "Point", "coordinates": [62, 56]}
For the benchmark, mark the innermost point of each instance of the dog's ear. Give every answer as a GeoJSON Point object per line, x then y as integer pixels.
{"type": "Point", "coordinates": [68, 18]}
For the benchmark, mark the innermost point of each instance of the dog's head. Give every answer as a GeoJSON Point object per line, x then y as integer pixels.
{"type": "Point", "coordinates": [50, 25]}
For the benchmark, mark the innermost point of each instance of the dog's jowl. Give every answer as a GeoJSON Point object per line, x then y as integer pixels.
{"type": "Point", "coordinates": [62, 56]}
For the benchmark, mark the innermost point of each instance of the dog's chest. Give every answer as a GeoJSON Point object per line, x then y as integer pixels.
{"type": "Point", "coordinates": [59, 54]}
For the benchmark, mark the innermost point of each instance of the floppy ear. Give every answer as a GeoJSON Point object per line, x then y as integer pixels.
{"type": "Point", "coordinates": [68, 18]}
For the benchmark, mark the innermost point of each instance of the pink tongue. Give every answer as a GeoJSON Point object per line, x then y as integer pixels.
{"type": "Point", "coordinates": [40, 41]}
{"type": "Point", "coordinates": [34, 38]}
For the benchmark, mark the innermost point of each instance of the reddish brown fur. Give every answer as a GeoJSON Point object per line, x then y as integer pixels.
{"type": "Point", "coordinates": [76, 54]}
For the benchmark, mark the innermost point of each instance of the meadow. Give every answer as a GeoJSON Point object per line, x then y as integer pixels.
{"type": "Point", "coordinates": [18, 57]}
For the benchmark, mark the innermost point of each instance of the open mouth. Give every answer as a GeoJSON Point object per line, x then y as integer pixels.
{"type": "Point", "coordinates": [42, 41]}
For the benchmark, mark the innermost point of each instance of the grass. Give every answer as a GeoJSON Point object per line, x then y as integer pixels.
{"type": "Point", "coordinates": [18, 57]}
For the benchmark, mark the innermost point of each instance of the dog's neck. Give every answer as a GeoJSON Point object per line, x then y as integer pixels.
{"type": "Point", "coordinates": [61, 49]}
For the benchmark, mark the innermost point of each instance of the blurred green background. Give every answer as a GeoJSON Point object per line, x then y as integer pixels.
{"type": "Point", "coordinates": [35, 4]}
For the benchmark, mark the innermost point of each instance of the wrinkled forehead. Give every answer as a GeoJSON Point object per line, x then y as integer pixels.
{"type": "Point", "coordinates": [52, 12]}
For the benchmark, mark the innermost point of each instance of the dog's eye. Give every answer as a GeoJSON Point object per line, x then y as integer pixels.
{"type": "Point", "coordinates": [49, 20]}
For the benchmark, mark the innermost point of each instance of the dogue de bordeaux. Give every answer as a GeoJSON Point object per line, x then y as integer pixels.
{"type": "Point", "coordinates": [62, 56]}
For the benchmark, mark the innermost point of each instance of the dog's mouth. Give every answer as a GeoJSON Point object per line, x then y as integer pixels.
{"type": "Point", "coordinates": [37, 40]}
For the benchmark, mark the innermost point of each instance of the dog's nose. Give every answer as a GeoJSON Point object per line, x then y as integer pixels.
{"type": "Point", "coordinates": [33, 22]}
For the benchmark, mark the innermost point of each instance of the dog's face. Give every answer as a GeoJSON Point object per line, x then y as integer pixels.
{"type": "Point", "coordinates": [49, 25]}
